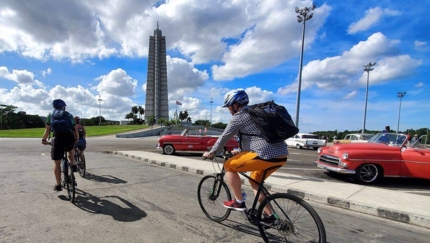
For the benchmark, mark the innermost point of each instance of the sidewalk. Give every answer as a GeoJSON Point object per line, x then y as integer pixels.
{"type": "Point", "coordinates": [400, 206]}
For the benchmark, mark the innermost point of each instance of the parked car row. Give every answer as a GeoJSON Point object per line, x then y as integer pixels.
{"type": "Point", "coordinates": [354, 138]}
{"type": "Point", "coordinates": [367, 161]}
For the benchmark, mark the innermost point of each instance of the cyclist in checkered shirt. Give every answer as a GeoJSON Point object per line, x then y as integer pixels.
{"type": "Point", "coordinates": [255, 153]}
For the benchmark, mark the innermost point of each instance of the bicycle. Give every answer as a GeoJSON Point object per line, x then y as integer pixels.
{"type": "Point", "coordinates": [68, 178]}
{"type": "Point", "coordinates": [297, 221]}
{"type": "Point", "coordinates": [80, 161]}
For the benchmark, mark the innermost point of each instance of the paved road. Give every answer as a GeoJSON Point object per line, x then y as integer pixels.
{"type": "Point", "coordinates": [124, 200]}
{"type": "Point", "coordinates": [300, 162]}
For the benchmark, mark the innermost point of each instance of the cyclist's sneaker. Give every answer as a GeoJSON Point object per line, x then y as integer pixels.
{"type": "Point", "coordinates": [58, 188]}
{"type": "Point", "coordinates": [74, 168]}
{"type": "Point", "coordinates": [235, 205]}
{"type": "Point", "coordinates": [269, 220]}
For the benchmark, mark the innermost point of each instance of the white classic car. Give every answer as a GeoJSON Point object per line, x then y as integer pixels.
{"type": "Point", "coordinates": [306, 140]}
{"type": "Point", "coordinates": [354, 138]}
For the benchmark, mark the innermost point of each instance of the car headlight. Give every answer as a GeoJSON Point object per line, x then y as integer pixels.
{"type": "Point", "coordinates": [345, 156]}
{"type": "Point", "coordinates": [342, 164]}
{"type": "Point", "coordinates": [319, 150]}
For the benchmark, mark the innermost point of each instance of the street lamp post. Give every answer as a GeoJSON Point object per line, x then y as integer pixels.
{"type": "Point", "coordinates": [400, 95]}
{"type": "Point", "coordinates": [302, 17]}
{"type": "Point", "coordinates": [211, 112]}
{"type": "Point", "coordinates": [367, 68]}
{"type": "Point", "coordinates": [100, 110]}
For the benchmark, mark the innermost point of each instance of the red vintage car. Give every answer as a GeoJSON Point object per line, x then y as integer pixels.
{"type": "Point", "coordinates": [384, 155]}
{"type": "Point", "coordinates": [184, 142]}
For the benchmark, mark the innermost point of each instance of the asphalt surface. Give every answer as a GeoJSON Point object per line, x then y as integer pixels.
{"type": "Point", "coordinates": [124, 200]}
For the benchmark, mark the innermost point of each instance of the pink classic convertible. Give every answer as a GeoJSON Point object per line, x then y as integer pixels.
{"type": "Point", "coordinates": [384, 155]}
{"type": "Point", "coordinates": [184, 142]}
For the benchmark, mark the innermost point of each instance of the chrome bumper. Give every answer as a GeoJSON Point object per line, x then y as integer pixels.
{"type": "Point", "coordinates": [334, 169]}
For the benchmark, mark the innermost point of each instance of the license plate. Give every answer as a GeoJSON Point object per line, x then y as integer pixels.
{"type": "Point", "coordinates": [320, 166]}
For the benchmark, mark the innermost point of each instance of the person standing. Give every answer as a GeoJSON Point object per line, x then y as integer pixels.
{"type": "Point", "coordinates": [414, 139]}
{"type": "Point", "coordinates": [387, 129]}
{"type": "Point", "coordinates": [65, 134]}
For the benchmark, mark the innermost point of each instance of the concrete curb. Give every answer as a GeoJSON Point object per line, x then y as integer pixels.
{"type": "Point", "coordinates": [385, 213]}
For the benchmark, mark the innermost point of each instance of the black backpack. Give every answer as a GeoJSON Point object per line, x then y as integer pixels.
{"type": "Point", "coordinates": [60, 122]}
{"type": "Point", "coordinates": [273, 120]}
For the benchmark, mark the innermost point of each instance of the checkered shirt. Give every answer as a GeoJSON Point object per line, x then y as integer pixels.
{"type": "Point", "coordinates": [242, 122]}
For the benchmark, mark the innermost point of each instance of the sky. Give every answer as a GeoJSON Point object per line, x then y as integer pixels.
{"type": "Point", "coordinates": [82, 51]}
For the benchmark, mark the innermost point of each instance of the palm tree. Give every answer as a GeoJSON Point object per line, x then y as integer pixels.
{"type": "Point", "coordinates": [162, 121]}
{"type": "Point", "coordinates": [141, 111]}
{"type": "Point", "coordinates": [151, 121]}
{"type": "Point", "coordinates": [129, 116]}
{"type": "Point", "coordinates": [135, 110]}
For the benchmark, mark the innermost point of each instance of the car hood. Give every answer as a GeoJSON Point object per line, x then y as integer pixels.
{"type": "Point", "coordinates": [361, 146]}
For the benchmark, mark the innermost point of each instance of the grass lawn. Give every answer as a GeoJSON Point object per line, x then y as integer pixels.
{"type": "Point", "coordinates": [91, 131]}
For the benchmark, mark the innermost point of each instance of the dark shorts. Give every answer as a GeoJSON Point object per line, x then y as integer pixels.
{"type": "Point", "coordinates": [61, 143]}
{"type": "Point", "coordinates": [81, 144]}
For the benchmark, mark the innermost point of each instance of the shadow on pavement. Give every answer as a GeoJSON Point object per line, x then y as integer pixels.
{"type": "Point", "coordinates": [246, 228]}
{"type": "Point", "coordinates": [106, 205]}
{"type": "Point", "coordinates": [104, 178]}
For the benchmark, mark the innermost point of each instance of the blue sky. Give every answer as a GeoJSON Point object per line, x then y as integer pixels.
{"type": "Point", "coordinates": [78, 50]}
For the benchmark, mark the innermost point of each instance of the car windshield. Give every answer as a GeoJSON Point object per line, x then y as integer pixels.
{"type": "Point", "coordinates": [367, 136]}
{"type": "Point", "coordinates": [391, 139]}
{"type": "Point", "coordinates": [310, 136]}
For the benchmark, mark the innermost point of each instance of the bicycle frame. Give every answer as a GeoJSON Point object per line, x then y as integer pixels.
{"type": "Point", "coordinates": [250, 214]}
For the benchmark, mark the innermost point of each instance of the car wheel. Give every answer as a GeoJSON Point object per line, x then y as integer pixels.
{"type": "Point", "coordinates": [168, 149]}
{"type": "Point", "coordinates": [368, 173]}
{"type": "Point", "coordinates": [298, 146]}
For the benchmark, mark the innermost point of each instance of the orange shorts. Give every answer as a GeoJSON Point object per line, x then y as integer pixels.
{"type": "Point", "coordinates": [249, 161]}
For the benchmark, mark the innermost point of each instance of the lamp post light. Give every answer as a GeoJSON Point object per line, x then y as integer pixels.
{"type": "Point", "coordinates": [400, 95]}
{"type": "Point", "coordinates": [210, 125]}
{"type": "Point", "coordinates": [100, 110]}
{"type": "Point", "coordinates": [302, 17]}
{"type": "Point", "coordinates": [367, 68]}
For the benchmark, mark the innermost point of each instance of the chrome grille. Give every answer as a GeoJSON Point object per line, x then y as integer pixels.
{"type": "Point", "coordinates": [329, 159]}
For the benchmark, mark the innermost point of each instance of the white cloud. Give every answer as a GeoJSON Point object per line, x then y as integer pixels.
{"type": "Point", "coordinates": [46, 72]}
{"type": "Point", "coordinates": [117, 83]}
{"type": "Point", "coordinates": [420, 45]}
{"type": "Point", "coordinates": [343, 71]}
{"type": "Point", "coordinates": [420, 84]}
{"type": "Point", "coordinates": [350, 95]}
{"type": "Point", "coordinates": [183, 78]}
{"type": "Point", "coordinates": [19, 76]}
{"type": "Point", "coordinates": [372, 16]}
{"type": "Point", "coordinates": [270, 42]}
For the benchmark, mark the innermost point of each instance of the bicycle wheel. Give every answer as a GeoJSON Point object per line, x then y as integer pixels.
{"type": "Point", "coordinates": [296, 220]}
{"type": "Point", "coordinates": [70, 184]}
{"type": "Point", "coordinates": [211, 194]}
{"type": "Point", "coordinates": [81, 165]}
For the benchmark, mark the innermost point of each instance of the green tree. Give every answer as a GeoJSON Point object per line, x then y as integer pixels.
{"type": "Point", "coordinates": [134, 110]}
{"type": "Point", "coordinates": [183, 115]}
{"type": "Point", "coordinates": [7, 113]}
{"type": "Point", "coordinates": [219, 125]}
{"type": "Point", "coordinates": [151, 121]}
{"type": "Point", "coordinates": [129, 116]}
{"type": "Point", "coordinates": [162, 121]}
{"type": "Point", "coordinates": [141, 111]}
{"type": "Point", "coordinates": [204, 123]}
